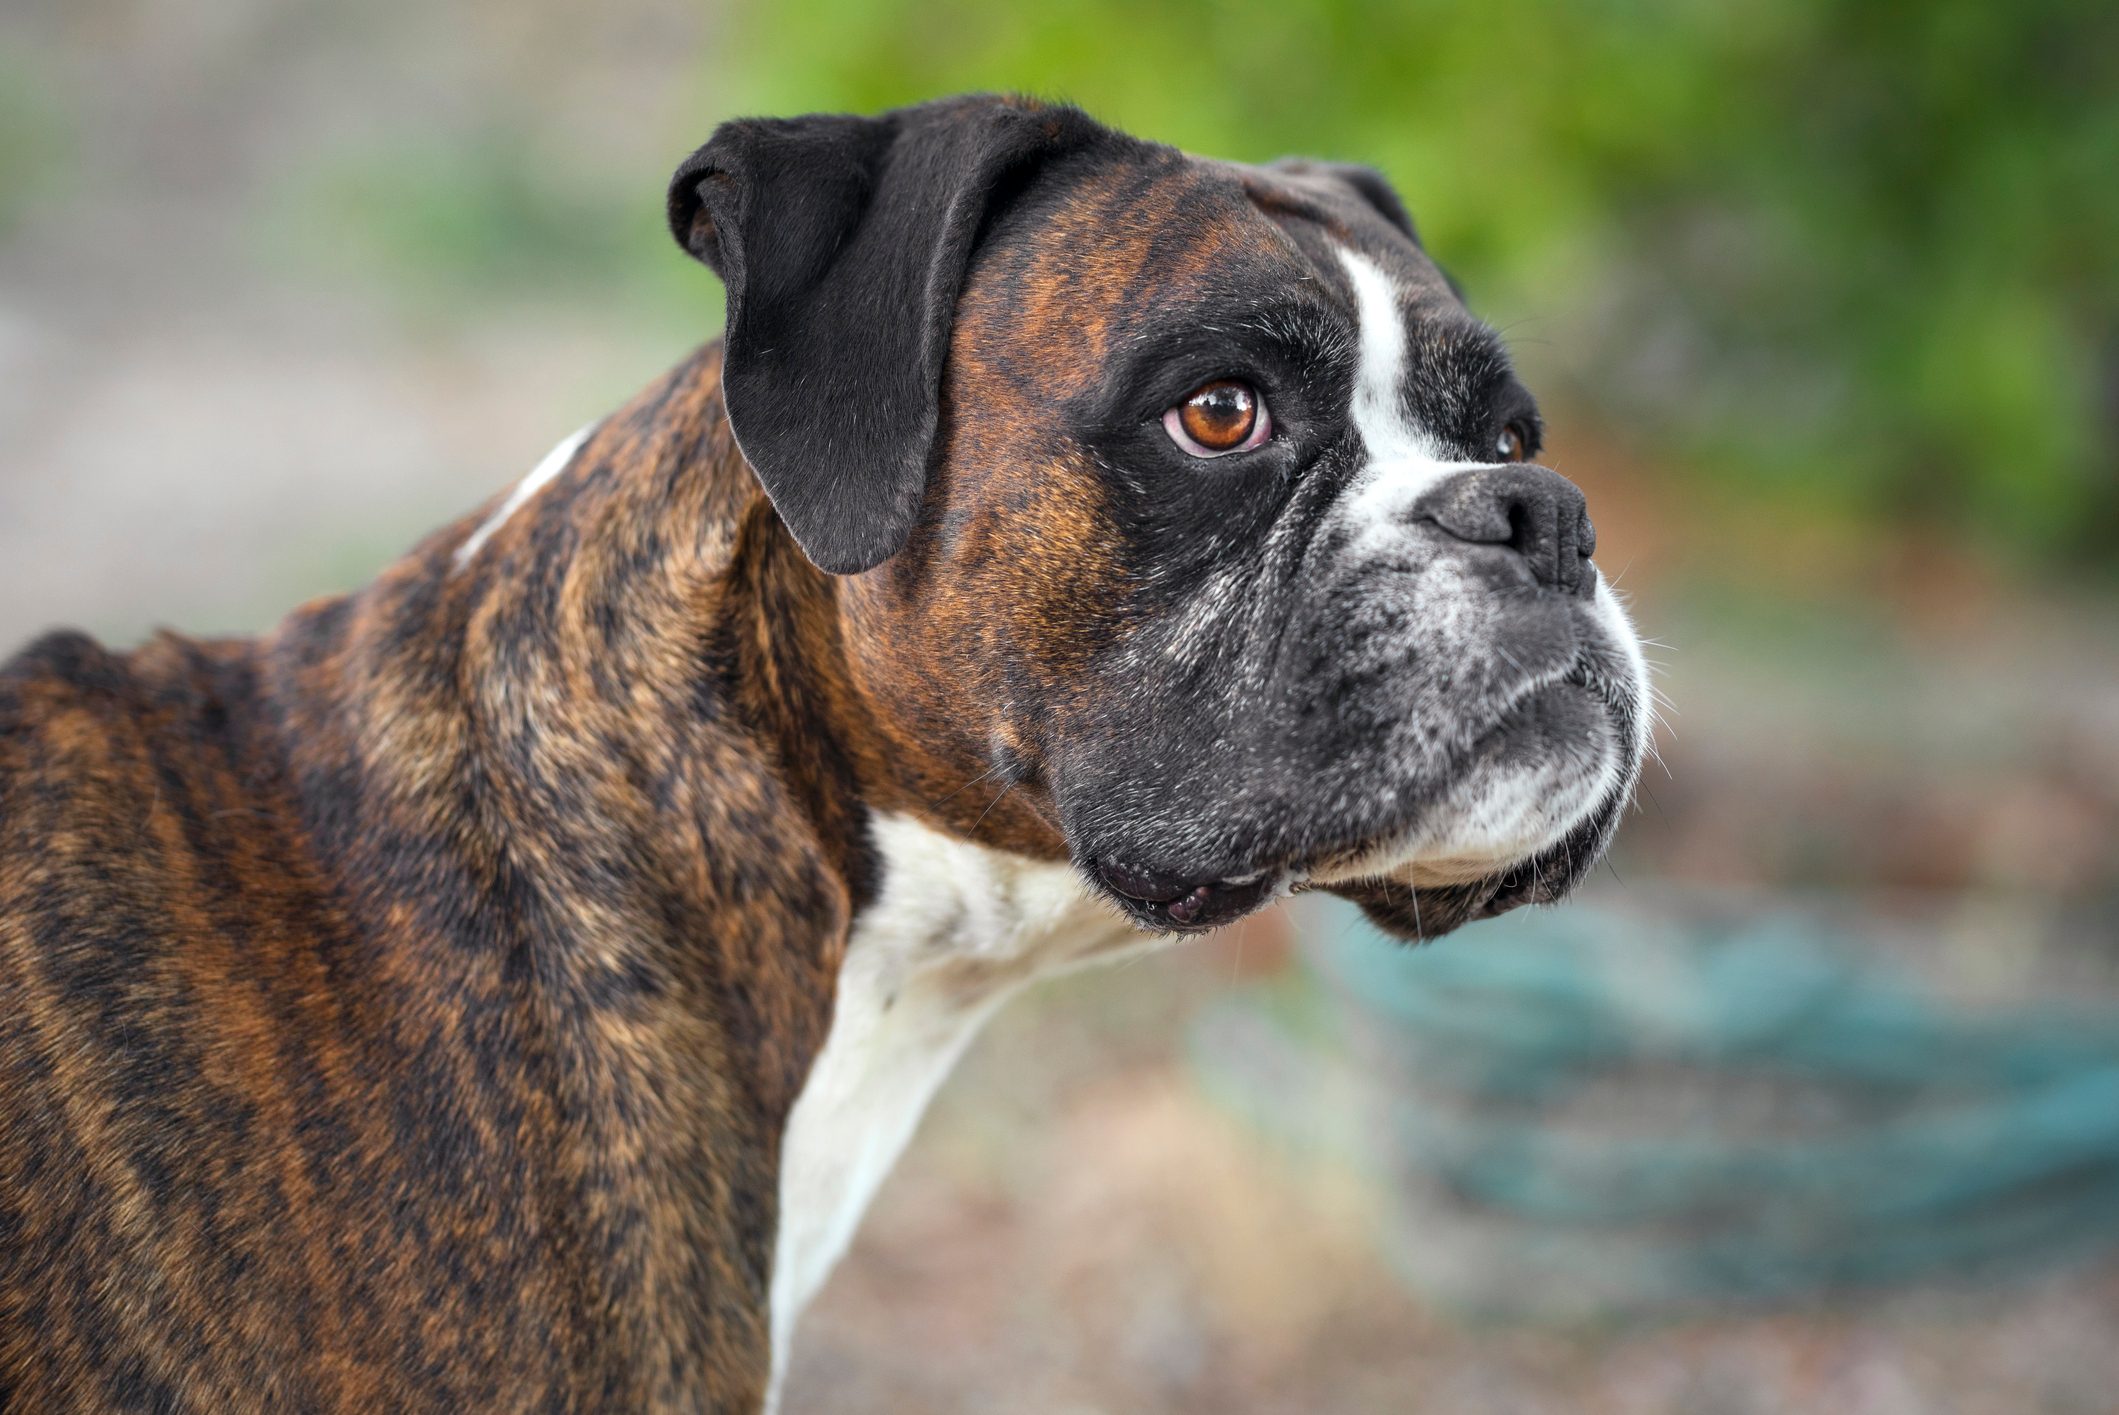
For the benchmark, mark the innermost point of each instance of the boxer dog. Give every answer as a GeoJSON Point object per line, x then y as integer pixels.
{"type": "Point", "coordinates": [503, 987]}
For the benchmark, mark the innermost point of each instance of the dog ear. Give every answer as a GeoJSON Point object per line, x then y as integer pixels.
{"type": "Point", "coordinates": [1367, 183]}
{"type": "Point", "coordinates": [844, 243]}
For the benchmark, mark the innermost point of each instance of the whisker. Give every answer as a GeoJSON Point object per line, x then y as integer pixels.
{"type": "Point", "coordinates": [991, 804]}
{"type": "Point", "coordinates": [989, 771]}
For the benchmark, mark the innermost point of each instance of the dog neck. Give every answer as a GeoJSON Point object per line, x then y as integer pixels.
{"type": "Point", "coordinates": [606, 737]}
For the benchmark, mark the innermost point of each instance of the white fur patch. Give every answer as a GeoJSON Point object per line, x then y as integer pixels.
{"type": "Point", "coordinates": [555, 461]}
{"type": "Point", "coordinates": [1403, 460]}
{"type": "Point", "coordinates": [955, 930]}
{"type": "Point", "coordinates": [1619, 624]}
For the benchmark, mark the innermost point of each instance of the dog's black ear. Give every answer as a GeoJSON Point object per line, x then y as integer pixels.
{"type": "Point", "coordinates": [1367, 183]}
{"type": "Point", "coordinates": [844, 242]}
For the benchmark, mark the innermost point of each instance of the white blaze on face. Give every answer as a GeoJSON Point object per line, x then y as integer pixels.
{"type": "Point", "coordinates": [1403, 461]}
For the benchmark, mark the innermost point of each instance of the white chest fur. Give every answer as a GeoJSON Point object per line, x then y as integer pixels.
{"type": "Point", "coordinates": [955, 929]}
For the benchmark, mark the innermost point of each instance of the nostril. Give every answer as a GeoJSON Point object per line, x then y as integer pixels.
{"type": "Point", "coordinates": [1522, 528]}
{"type": "Point", "coordinates": [1578, 576]}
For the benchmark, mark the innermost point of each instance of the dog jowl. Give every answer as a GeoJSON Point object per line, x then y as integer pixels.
{"type": "Point", "coordinates": [503, 987]}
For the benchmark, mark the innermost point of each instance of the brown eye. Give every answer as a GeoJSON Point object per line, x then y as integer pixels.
{"type": "Point", "coordinates": [1514, 443]}
{"type": "Point", "coordinates": [1224, 416]}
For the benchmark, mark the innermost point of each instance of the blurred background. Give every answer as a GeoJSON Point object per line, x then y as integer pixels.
{"type": "Point", "coordinates": [1810, 1103]}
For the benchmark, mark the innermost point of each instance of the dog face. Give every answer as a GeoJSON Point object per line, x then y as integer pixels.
{"type": "Point", "coordinates": [1203, 526]}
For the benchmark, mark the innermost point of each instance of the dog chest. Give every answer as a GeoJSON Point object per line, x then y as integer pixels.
{"type": "Point", "coordinates": [955, 929]}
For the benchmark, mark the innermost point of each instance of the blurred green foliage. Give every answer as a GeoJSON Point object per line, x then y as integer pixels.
{"type": "Point", "coordinates": [1856, 260]}
{"type": "Point", "coordinates": [474, 213]}
{"type": "Point", "coordinates": [1865, 255]}
{"type": "Point", "coordinates": [456, 223]}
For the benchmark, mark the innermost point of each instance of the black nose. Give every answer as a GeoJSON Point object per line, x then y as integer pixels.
{"type": "Point", "coordinates": [1539, 514]}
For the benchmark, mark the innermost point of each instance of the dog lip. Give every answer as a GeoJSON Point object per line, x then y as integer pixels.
{"type": "Point", "coordinates": [1140, 885]}
{"type": "Point", "coordinates": [1188, 904]}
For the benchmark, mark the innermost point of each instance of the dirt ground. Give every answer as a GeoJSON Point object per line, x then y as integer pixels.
{"type": "Point", "coordinates": [1076, 1230]}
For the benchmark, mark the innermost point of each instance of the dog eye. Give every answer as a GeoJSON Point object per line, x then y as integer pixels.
{"type": "Point", "coordinates": [1514, 443]}
{"type": "Point", "coordinates": [1218, 418]}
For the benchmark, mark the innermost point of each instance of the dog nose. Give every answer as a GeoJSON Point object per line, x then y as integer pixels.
{"type": "Point", "coordinates": [1537, 513]}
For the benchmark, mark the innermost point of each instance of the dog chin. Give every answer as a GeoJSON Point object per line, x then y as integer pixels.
{"type": "Point", "coordinates": [1496, 820]}
{"type": "Point", "coordinates": [1506, 836]}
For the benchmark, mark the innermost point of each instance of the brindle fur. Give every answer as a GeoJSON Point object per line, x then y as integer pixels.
{"type": "Point", "coordinates": [401, 1011]}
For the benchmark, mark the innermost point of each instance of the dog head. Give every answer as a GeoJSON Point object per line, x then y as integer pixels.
{"type": "Point", "coordinates": [1181, 503]}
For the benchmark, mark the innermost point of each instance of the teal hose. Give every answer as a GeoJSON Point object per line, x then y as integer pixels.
{"type": "Point", "coordinates": [1842, 1130]}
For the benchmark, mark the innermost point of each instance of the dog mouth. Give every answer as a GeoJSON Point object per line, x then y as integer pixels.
{"type": "Point", "coordinates": [1177, 903]}
{"type": "Point", "coordinates": [1419, 912]}
{"type": "Point", "coordinates": [1413, 898]}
